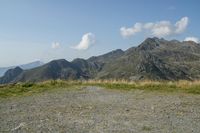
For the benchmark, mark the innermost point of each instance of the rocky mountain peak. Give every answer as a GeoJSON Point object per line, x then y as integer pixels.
{"type": "Point", "coordinates": [151, 43]}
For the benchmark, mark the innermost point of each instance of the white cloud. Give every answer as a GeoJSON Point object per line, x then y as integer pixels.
{"type": "Point", "coordinates": [194, 39]}
{"type": "Point", "coordinates": [158, 29]}
{"type": "Point", "coordinates": [55, 45]}
{"type": "Point", "coordinates": [148, 25]}
{"type": "Point", "coordinates": [181, 25]}
{"type": "Point", "coordinates": [126, 32]}
{"type": "Point", "coordinates": [87, 40]}
{"type": "Point", "coordinates": [161, 29]}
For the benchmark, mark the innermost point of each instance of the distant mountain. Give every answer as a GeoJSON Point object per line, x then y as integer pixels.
{"type": "Point", "coordinates": [10, 75]}
{"type": "Point", "coordinates": [154, 59]}
{"type": "Point", "coordinates": [31, 65]}
{"type": "Point", "coordinates": [24, 66]}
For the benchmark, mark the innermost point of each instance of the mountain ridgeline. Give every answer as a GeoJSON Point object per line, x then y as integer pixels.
{"type": "Point", "coordinates": [153, 59]}
{"type": "Point", "coordinates": [24, 66]}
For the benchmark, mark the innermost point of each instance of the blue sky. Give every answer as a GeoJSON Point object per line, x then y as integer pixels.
{"type": "Point", "coordinates": [51, 29]}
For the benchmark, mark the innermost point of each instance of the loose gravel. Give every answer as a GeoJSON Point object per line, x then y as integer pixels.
{"type": "Point", "coordinates": [99, 110]}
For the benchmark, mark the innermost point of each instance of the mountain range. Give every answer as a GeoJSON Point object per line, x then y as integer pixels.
{"type": "Point", "coordinates": [24, 66]}
{"type": "Point", "coordinates": [153, 59]}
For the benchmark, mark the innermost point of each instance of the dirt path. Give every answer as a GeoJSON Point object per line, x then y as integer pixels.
{"type": "Point", "coordinates": [97, 110]}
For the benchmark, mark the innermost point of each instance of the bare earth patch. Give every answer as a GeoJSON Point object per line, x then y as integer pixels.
{"type": "Point", "coordinates": [97, 110]}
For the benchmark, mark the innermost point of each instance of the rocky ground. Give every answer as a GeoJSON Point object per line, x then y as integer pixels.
{"type": "Point", "coordinates": [98, 110]}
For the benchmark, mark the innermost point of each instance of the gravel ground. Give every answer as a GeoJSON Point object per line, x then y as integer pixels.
{"type": "Point", "coordinates": [98, 110]}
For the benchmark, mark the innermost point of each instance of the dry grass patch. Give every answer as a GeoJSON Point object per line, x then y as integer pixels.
{"type": "Point", "coordinates": [21, 89]}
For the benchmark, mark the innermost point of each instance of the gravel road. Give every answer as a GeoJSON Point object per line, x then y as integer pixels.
{"type": "Point", "coordinates": [99, 110]}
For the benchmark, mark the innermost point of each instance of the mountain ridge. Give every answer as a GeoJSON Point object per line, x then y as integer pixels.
{"type": "Point", "coordinates": [23, 66]}
{"type": "Point", "coordinates": [154, 59]}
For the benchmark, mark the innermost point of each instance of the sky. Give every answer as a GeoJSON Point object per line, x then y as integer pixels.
{"type": "Point", "coordinates": [45, 30]}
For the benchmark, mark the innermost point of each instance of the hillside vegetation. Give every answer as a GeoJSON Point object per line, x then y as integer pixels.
{"type": "Point", "coordinates": [25, 89]}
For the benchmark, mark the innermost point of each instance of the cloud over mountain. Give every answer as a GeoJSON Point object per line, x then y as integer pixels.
{"type": "Point", "coordinates": [126, 32]}
{"type": "Point", "coordinates": [87, 40]}
{"type": "Point", "coordinates": [194, 39]}
{"type": "Point", "coordinates": [158, 29]}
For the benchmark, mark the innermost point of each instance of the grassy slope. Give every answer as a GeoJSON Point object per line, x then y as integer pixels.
{"type": "Point", "coordinates": [24, 89]}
